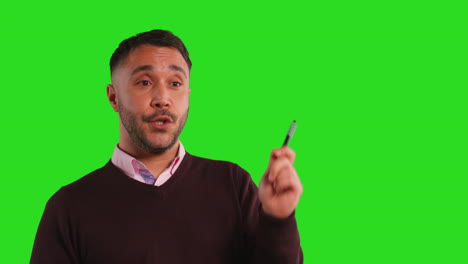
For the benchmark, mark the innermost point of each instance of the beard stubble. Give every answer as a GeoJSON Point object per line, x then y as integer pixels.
{"type": "Point", "coordinates": [134, 126]}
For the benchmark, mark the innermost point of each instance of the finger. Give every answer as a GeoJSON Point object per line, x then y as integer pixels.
{"type": "Point", "coordinates": [287, 180]}
{"type": "Point", "coordinates": [276, 166]}
{"type": "Point", "coordinates": [283, 184]}
{"type": "Point", "coordinates": [288, 153]}
{"type": "Point", "coordinates": [281, 172]}
{"type": "Point", "coordinates": [274, 155]}
{"type": "Point", "coordinates": [284, 151]}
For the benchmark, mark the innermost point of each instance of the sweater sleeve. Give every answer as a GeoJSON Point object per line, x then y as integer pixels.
{"type": "Point", "coordinates": [269, 240]}
{"type": "Point", "coordinates": [54, 237]}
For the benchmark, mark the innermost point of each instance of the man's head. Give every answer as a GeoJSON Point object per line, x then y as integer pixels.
{"type": "Point", "coordinates": [157, 37]}
{"type": "Point", "coordinates": [150, 90]}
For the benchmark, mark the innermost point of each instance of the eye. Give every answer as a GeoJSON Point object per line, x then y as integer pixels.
{"type": "Point", "coordinates": [144, 82]}
{"type": "Point", "coordinates": [176, 84]}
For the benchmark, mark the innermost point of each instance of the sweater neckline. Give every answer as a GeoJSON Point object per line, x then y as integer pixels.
{"type": "Point", "coordinates": [119, 176]}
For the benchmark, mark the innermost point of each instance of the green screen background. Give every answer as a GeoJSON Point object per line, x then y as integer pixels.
{"type": "Point", "coordinates": [378, 90]}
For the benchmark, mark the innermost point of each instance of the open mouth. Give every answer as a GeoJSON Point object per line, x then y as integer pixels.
{"type": "Point", "coordinates": [161, 122]}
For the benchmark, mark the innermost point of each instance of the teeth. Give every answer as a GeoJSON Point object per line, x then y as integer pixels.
{"type": "Point", "coordinates": [159, 122]}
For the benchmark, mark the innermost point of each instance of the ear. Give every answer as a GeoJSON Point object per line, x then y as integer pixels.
{"type": "Point", "coordinates": [112, 97]}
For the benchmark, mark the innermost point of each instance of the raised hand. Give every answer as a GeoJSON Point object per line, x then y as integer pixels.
{"type": "Point", "coordinates": [280, 187]}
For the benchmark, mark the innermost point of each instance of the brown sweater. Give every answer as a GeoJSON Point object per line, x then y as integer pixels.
{"type": "Point", "coordinates": [208, 212]}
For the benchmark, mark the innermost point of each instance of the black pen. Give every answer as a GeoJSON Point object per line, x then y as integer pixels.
{"type": "Point", "coordinates": [291, 130]}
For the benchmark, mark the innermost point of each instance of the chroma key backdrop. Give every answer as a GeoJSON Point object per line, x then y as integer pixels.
{"type": "Point", "coordinates": [378, 90]}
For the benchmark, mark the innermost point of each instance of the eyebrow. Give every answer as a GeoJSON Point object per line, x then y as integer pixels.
{"type": "Point", "coordinates": [150, 67]}
{"type": "Point", "coordinates": [142, 68]}
{"type": "Point", "coordinates": [177, 68]}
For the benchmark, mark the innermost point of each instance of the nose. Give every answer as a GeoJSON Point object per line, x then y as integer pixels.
{"type": "Point", "coordinates": [160, 97]}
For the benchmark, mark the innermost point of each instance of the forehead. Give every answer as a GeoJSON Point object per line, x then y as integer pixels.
{"type": "Point", "coordinates": [156, 56]}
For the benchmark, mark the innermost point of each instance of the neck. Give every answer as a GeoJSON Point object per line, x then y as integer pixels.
{"type": "Point", "coordinates": [155, 163]}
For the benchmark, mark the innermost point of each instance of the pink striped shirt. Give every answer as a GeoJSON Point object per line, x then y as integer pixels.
{"type": "Point", "coordinates": [133, 167]}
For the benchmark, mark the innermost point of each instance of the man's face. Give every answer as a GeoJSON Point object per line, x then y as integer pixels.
{"type": "Point", "coordinates": [151, 93]}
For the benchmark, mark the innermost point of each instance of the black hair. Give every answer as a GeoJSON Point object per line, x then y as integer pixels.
{"type": "Point", "coordinates": [157, 37]}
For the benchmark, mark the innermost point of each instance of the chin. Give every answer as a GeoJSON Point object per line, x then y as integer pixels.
{"type": "Point", "coordinates": [161, 146]}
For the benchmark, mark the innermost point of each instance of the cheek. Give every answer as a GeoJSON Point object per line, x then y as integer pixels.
{"type": "Point", "coordinates": [136, 103]}
{"type": "Point", "coordinates": [187, 98]}
{"type": "Point", "coordinates": [183, 102]}
{"type": "Point", "coordinates": [184, 105]}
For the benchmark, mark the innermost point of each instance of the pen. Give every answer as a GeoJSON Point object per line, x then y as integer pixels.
{"type": "Point", "coordinates": [291, 130]}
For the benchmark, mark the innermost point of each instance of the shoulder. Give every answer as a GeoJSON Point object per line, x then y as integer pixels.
{"type": "Point", "coordinates": [94, 180]}
{"type": "Point", "coordinates": [220, 170]}
{"type": "Point", "coordinates": [215, 165]}
{"type": "Point", "coordinates": [93, 186]}
{"type": "Point", "coordinates": [96, 177]}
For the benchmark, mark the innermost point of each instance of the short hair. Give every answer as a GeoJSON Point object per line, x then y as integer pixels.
{"type": "Point", "coordinates": [157, 37]}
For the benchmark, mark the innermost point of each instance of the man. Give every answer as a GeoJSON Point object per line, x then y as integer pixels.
{"type": "Point", "coordinates": [153, 202]}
